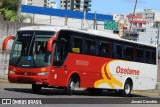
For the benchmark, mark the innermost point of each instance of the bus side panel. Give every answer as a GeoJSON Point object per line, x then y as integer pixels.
{"type": "Point", "coordinates": [107, 73]}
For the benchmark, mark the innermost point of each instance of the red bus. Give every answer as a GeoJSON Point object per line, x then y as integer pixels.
{"type": "Point", "coordinates": [47, 56]}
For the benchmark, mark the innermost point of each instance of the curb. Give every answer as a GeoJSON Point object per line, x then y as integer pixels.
{"type": "Point", "coordinates": [4, 79]}
{"type": "Point", "coordinates": [158, 85]}
{"type": "Point", "coordinates": [149, 92]}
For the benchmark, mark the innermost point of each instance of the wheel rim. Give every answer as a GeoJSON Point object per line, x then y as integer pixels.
{"type": "Point", "coordinates": [72, 85]}
{"type": "Point", "coordinates": [127, 88]}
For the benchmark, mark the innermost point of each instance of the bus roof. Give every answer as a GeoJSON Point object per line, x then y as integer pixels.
{"type": "Point", "coordinates": [92, 32]}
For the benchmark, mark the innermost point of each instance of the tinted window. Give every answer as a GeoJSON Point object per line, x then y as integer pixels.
{"type": "Point", "coordinates": [104, 49]}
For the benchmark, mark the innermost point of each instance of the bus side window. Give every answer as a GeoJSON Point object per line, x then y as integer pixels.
{"type": "Point", "coordinates": [90, 47]}
{"type": "Point", "coordinates": [77, 43]}
{"type": "Point", "coordinates": [153, 57]}
{"type": "Point", "coordinates": [148, 57]}
{"type": "Point", "coordinates": [139, 55]}
{"type": "Point", "coordinates": [118, 53]}
{"type": "Point", "coordinates": [104, 49]}
{"type": "Point", "coordinates": [129, 53]}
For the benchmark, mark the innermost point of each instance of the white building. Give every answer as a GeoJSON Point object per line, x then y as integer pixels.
{"type": "Point", "coordinates": [119, 17]}
{"type": "Point", "coordinates": [151, 15]}
{"type": "Point", "coordinates": [148, 35]}
{"type": "Point", "coordinates": [76, 5]}
{"type": "Point", "coordinates": [40, 3]}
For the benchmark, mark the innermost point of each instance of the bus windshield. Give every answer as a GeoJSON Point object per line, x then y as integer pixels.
{"type": "Point", "coordinates": [30, 49]}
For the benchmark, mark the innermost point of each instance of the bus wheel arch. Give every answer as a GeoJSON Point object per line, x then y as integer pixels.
{"type": "Point", "coordinates": [131, 82]}
{"type": "Point", "coordinates": [127, 88]}
{"type": "Point", "coordinates": [73, 82]}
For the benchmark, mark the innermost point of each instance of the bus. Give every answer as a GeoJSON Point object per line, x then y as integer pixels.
{"type": "Point", "coordinates": [67, 58]}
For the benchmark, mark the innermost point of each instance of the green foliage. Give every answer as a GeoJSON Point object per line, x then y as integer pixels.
{"type": "Point", "coordinates": [9, 15]}
{"type": "Point", "coordinates": [10, 4]}
{"type": "Point", "coordinates": [9, 8]}
{"type": "Point", "coordinates": [156, 24]}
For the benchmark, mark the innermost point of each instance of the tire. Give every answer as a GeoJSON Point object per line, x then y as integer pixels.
{"type": "Point", "coordinates": [93, 91]}
{"type": "Point", "coordinates": [126, 92]}
{"type": "Point", "coordinates": [36, 88]}
{"type": "Point", "coordinates": [73, 82]}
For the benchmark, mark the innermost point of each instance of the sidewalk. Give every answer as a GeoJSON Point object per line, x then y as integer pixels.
{"type": "Point", "coordinates": [155, 92]}
{"type": "Point", "coordinates": [4, 79]}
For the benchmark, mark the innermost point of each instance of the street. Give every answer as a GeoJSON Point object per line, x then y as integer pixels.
{"type": "Point", "coordinates": [10, 90]}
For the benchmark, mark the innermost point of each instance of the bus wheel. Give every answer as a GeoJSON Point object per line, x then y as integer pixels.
{"type": "Point", "coordinates": [72, 84]}
{"type": "Point", "coordinates": [93, 91]}
{"type": "Point", "coordinates": [126, 92]}
{"type": "Point", "coordinates": [36, 88]}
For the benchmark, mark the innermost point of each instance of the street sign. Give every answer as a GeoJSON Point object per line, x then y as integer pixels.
{"type": "Point", "coordinates": [111, 25]}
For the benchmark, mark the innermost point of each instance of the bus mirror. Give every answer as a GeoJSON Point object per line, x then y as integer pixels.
{"type": "Point", "coordinates": [76, 50]}
{"type": "Point", "coordinates": [4, 46]}
{"type": "Point", "coordinates": [50, 42]}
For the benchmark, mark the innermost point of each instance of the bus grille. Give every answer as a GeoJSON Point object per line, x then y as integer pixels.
{"type": "Point", "coordinates": [26, 73]}
{"type": "Point", "coordinates": [25, 80]}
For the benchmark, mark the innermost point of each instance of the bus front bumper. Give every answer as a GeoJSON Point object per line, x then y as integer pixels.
{"type": "Point", "coordinates": [41, 80]}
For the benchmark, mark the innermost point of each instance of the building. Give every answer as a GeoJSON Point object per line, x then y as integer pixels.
{"type": "Point", "coordinates": [136, 21]}
{"type": "Point", "coordinates": [151, 15]}
{"type": "Point", "coordinates": [123, 24]}
{"type": "Point", "coordinates": [40, 3]}
{"type": "Point", "coordinates": [76, 5]}
{"type": "Point", "coordinates": [149, 36]}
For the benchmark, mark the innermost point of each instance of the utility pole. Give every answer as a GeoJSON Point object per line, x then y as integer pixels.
{"type": "Point", "coordinates": [132, 18]}
{"type": "Point", "coordinates": [66, 21]}
{"type": "Point", "coordinates": [19, 8]}
{"type": "Point", "coordinates": [94, 25]}
{"type": "Point", "coordinates": [84, 19]}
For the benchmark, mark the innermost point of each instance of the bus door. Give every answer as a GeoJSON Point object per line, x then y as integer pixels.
{"type": "Point", "coordinates": [59, 68]}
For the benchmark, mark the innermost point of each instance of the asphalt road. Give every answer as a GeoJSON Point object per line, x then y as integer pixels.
{"type": "Point", "coordinates": [8, 90]}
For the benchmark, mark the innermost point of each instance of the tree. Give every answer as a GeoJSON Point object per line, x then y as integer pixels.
{"type": "Point", "coordinates": [9, 8]}
{"type": "Point", "coordinates": [9, 4]}
{"type": "Point", "coordinates": [156, 24]}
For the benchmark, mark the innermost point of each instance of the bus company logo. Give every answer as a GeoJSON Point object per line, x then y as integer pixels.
{"type": "Point", "coordinates": [120, 70]}
{"type": "Point", "coordinates": [26, 35]}
{"type": "Point", "coordinates": [108, 78]}
{"type": "Point", "coordinates": [6, 101]}
{"type": "Point", "coordinates": [82, 63]}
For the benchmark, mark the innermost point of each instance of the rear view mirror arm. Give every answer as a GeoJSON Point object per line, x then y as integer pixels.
{"type": "Point", "coordinates": [6, 41]}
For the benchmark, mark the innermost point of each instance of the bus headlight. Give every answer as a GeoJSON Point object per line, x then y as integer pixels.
{"type": "Point", "coordinates": [43, 73]}
{"type": "Point", "coordinates": [12, 72]}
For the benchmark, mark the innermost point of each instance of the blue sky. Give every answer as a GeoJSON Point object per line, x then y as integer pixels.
{"type": "Point", "coordinates": [123, 6]}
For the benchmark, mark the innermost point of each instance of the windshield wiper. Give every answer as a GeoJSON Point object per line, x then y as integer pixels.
{"type": "Point", "coordinates": [18, 60]}
{"type": "Point", "coordinates": [29, 50]}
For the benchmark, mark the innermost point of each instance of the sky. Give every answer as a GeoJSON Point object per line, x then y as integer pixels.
{"type": "Point", "coordinates": [122, 6]}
